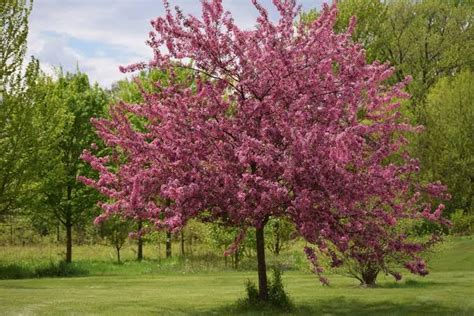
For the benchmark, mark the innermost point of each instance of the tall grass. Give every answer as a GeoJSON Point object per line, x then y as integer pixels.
{"type": "Point", "coordinates": [99, 260]}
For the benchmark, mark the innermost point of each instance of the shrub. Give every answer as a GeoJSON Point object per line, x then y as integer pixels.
{"type": "Point", "coordinates": [462, 223]}
{"type": "Point", "coordinates": [52, 269]}
{"type": "Point", "coordinates": [277, 297]}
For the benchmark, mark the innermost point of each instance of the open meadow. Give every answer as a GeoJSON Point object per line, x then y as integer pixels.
{"type": "Point", "coordinates": [175, 287]}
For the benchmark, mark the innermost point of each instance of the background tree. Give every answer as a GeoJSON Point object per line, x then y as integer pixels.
{"type": "Point", "coordinates": [425, 39]}
{"type": "Point", "coordinates": [16, 135]}
{"type": "Point", "coordinates": [14, 23]}
{"type": "Point", "coordinates": [65, 199]}
{"type": "Point", "coordinates": [223, 238]}
{"type": "Point", "coordinates": [447, 146]}
{"type": "Point", "coordinates": [116, 232]}
{"type": "Point", "coordinates": [279, 233]}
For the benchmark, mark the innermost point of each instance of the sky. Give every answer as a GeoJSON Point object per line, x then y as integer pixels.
{"type": "Point", "coordinates": [97, 36]}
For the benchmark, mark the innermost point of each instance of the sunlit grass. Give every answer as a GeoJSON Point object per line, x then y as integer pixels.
{"type": "Point", "coordinates": [166, 286]}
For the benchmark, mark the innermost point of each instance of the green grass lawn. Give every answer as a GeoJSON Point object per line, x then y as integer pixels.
{"type": "Point", "coordinates": [448, 290]}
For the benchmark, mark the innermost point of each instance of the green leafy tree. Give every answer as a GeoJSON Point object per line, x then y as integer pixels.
{"type": "Point", "coordinates": [116, 231]}
{"type": "Point", "coordinates": [278, 234]}
{"type": "Point", "coordinates": [447, 146]}
{"type": "Point", "coordinates": [429, 40]}
{"type": "Point", "coordinates": [222, 238]}
{"type": "Point", "coordinates": [16, 137]}
{"type": "Point", "coordinates": [63, 198]}
{"type": "Point", "coordinates": [14, 25]}
{"type": "Point", "coordinates": [426, 39]}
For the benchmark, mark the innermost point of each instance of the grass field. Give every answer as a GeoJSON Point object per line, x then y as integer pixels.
{"type": "Point", "coordinates": [129, 290]}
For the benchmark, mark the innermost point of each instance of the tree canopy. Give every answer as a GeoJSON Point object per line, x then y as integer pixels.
{"type": "Point", "coordinates": [287, 123]}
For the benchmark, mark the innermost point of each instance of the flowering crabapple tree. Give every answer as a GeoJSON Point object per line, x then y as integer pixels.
{"type": "Point", "coordinates": [282, 121]}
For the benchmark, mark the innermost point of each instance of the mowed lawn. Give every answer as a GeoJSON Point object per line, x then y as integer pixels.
{"type": "Point", "coordinates": [448, 290]}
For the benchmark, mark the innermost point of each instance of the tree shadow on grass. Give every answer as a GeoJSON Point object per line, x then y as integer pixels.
{"type": "Point", "coordinates": [344, 306]}
{"type": "Point", "coordinates": [414, 284]}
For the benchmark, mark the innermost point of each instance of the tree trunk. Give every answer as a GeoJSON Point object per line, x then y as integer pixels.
{"type": "Point", "coordinates": [182, 242]}
{"type": "Point", "coordinates": [369, 276]}
{"type": "Point", "coordinates": [262, 268]}
{"type": "Point", "coordinates": [140, 242]}
{"type": "Point", "coordinates": [118, 255]}
{"type": "Point", "coordinates": [68, 242]}
{"type": "Point", "coordinates": [58, 232]}
{"type": "Point", "coordinates": [168, 244]}
{"type": "Point", "coordinates": [277, 237]}
{"type": "Point", "coordinates": [69, 227]}
{"type": "Point", "coordinates": [11, 230]}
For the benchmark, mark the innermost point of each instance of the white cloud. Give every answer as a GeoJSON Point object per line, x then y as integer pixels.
{"type": "Point", "coordinates": [109, 33]}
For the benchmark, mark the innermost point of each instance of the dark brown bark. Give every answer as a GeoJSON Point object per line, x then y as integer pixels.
{"type": "Point", "coordinates": [262, 268]}
{"type": "Point", "coordinates": [140, 242]}
{"type": "Point", "coordinates": [58, 230]}
{"type": "Point", "coordinates": [168, 244]}
{"type": "Point", "coordinates": [11, 230]}
{"type": "Point", "coordinates": [68, 223]}
{"type": "Point", "coordinates": [68, 242]}
{"type": "Point", "coordinates": [277, 237]}
{"type": "Point", "coordinates": [118, 255]}
{"type": "Point", "coordinates": [182, 242]}
{"type": "Point", "coordinates": [369, 276]}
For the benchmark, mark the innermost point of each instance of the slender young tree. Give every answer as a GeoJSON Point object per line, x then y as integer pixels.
{"type": "Point", "coordinates": [447, 146]}
{"type": "Point", "coordinates": [65, 199]}
{"type": "Point", "coordinates": [282, 121]}
{"type": "Point", "coordinates": [116, 231]}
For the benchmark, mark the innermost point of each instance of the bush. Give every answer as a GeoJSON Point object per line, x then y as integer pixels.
{"type": "Point", "coordinates": [462, 224]}
{"type": "Point", "coordinates": [61, 269]}
{"type": "Point", "coordinates": [277, 297]}
{"type": "Point", "coordinates": [53, 269]}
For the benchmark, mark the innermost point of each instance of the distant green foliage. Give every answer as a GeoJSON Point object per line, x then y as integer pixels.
{"type": "Point", "coordinates": [463, 224]}
{"type": "Point", "coordinates": [62, 198]}
{"type": "Point", "coordinates": [278, 234]}
{"type": "Point", "coordinates": [446, 148]}
{"type": "Point", "coordinates": [432, 41]}
{"type": "Point", "coordinates": [116, 230]}
{"type": "Point", "coordinates": [425, 39]}
{"type": "Point", "coordinates": [131, 90]}
{"type": "Point", "coordinates": [14, 16]}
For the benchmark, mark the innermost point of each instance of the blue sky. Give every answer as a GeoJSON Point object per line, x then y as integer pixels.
{"type": "Point", "coordinates": [100, 35]}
